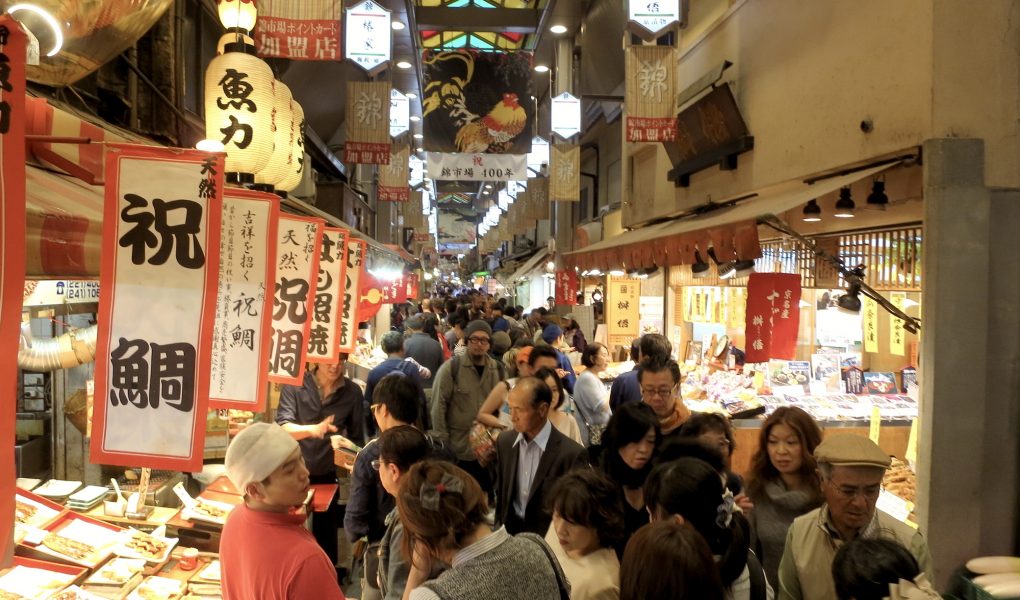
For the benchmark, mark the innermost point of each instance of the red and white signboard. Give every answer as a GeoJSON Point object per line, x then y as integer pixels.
{"type": "Point", "coordinates": [13, 45]}
{"type": "Point", "coordinates": [772, 316]}
{"type": "Point", "coordinates": [161, 246]}
{"type": "Point", "coordinates": [243, 308]}
{"type": "Point", "coordinates": [395, 291]}
{"type": "Point", "coordinates": [298, 241]}
{"type": "Point", "coordinates": [306, 30]}
{"type": "Point", "coordinates": [349, 310]}
{"type": "Point", "coordinates": [324, 337]}
{"type": "Point", "coordinates": [566, 287]}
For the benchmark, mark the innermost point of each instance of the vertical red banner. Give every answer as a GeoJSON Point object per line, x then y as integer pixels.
{"type": "Point", "coordinates": [395, 291]}
{"type": "Point", "coordinates": [566, 287]}
{"type": "Point", "coordinates": [772, 316]}
{"type": "Point", "coordinates": [157, 306]}
{"type": "Point", "coordinates": [299, 240]}
{"type": "Point", "coordinates": [13, 44]}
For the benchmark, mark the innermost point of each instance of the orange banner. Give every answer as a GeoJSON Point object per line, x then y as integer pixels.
{"type": "Point", "coordinates": [298, 244]}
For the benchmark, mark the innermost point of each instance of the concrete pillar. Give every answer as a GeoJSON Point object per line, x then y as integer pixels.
{"type": "Point", "coordinates": [562, 212]}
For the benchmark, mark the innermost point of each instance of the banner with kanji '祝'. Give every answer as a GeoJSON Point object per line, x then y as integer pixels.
{"type": "Point", "coordinates": [13, 46]}
{"type": "Point", "coordinates": [240, 347]}
{"type": "Point", "coordinates": [772, 316]}
{"type": "Point", "coordinates": [298, 240]}
{"type": "Point", "coordinates": [349, 310]}
{"type": "Point", "coordinates": [651, 93]}
{"type": "Point", "coordinates": [393, 177]}
{"type": "Point", "coordinates": [305, 30]}
{"type": "Point", "coordinates": [324, 336]}
{"type": "Point", "coordinates": [565, 172]}
{"type": "Point", "coordinates": [368, 122]}
{"type": "Point", "coordinates": [158, 279]}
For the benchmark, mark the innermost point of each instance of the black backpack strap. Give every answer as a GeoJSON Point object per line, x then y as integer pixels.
{"type": "Point", "coordinates": [756, 575]}
{"type": "Point", "coordinates": [454, 367]}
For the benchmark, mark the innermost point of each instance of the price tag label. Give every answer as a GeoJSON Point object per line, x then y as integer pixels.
{"type": "Point", "coordinates": [876, 424]}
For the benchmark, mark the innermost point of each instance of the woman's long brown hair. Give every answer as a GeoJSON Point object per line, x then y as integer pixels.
{"type": "Point", "coordinates": [809, 434]}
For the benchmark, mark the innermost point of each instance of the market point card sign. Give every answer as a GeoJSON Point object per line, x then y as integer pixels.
{"type": "Point", "coordinates": [298, 243]}
{"type": "Point", "coordinates": [651, 93]}
{"type": "Point", "coordinates": [566, 115]}
{"type": "Point", "coordinates": [243, 307]}
{"type": "Point", "coordinates": [400, 113]}
{"type": "Point", "coordinates": [351, 295]}
{"type": "Point", "coordinates": [649, 19]}
{"type": "Point", "coordinates": [368, 122]}
{"type": "Point", "coordinates": [367, 35]}
{"type": "Point", "coordinates": [477, 167]}
{"type": "Point", "coordinates": [393, 176]}
{"type": "Point", "coordinates": [772, 316]}
{"type": "Point", "coordinates": [13, 48]}
{"type": "Point", "coordinates": [299, 30]}
{"type": "Point", "coordinates": [158, 280]}
{"type": "Point", "coordinates": [325, 333]}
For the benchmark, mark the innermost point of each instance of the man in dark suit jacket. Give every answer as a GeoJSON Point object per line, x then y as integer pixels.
{"type": "Point", "coordinates": [530, 459]}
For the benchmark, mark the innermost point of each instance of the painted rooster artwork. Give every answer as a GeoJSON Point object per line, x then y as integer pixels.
{"type": "Point", "coordinates": [494, 131]}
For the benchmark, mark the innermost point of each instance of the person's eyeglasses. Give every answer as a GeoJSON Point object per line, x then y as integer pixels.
{"type": "Point", "coordinates": [376, 464]}
{"type": "Point", "coordinates": [849, 493]}
{"type": "Point", "coordinates": [478, 340]}
{"type": "Point", "coordinates": [661, 392]}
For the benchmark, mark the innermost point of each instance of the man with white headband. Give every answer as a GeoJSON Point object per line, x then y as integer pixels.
{"type": "Point", "coordinates": [265, 551]}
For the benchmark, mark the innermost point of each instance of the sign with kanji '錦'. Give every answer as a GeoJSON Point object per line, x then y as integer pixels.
{"type": "Point", "coordinates": [393, 176]}
{"type": "Point", "coordinates": [161, 252]}
{"type": "Point", "coordinates": [367, 35]}
{"type": "Point", "coordinates": [298, 244]}
{"type": "Point", "coordinates": [477, 167]}
{"type": "Point", "coordinates": [324, 337]}
{"type": "Point", "coordinates": [623, 311]}
{"type": "Point", "coordinates": [650, 94]}
{"type": "Point", "coordinates": [772, 316]}
{"type": "Point", "coordinates": [299, 30]}
{"type": "Point", "coordinates": [368, 122]}
{"type": "Point", "coordinates": [565, 173]}
{"type": "Point", "coordinates": [240, 347]}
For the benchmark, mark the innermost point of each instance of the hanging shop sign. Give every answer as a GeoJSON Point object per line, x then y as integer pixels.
{"type": "Point", "coordinates": [367, 35]}
{"type": "Point", "coordinates": [711, 131]}
{"type": "Point", "coordinates": [324, 336]}
{"type": "Point", "coordinates": [394, 291]}
{"type": "Point", "coordinates": [538, 157]}
{"type": "Point", "coordinates": [869, 320]}
{"type": "Point", "coordinates": [400, 113]}
{"type": "Point", "coordinates": [370, 296]}
{"type": "Point", "coordinates": [623, 311]}
{"type": "Point", "coordinates": [283, 137]}
{"type": "Point", "coordinates": [650, 20]}
{"type": "Point", "coordinates": [240, 346]}
{"type": "Point", "coordinates": [13, 49]}
{"type": "Point", "coordinates": [772, 316]}
{"type": "Point", "coordinates": [565, 173]}
{"type": "Point", "coordinates": [393, 176]}
{"type": "Point", "coordinates": [413, 284]}
{"type": "Point", "coordinates": [651, 93]}
{"type": "Point", "coordinates": [299, 30]}
{"type": "Point", "coordinates": [566, 115]}
{"type": "Point", "coordinates": [476, 167]}
{"type": "Point", "coordinates": [298, 244]}
{"type": "Point", "coordinates": [160, 258]}
{"type": "Point", "coordinates": [538, 198]}
{"type": "Point", "coordinates": [239, 101]}
{"type": "Point", "coordinates": [355, 267]}
{"type": "Point", "coordinates": [896, 331]}
{"type": "Point", "coordinates": [368, 118]}
{"type": "Point", "coordinates": [566, 287]}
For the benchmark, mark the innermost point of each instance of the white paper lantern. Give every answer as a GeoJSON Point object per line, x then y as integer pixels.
{"type": "Point", "coordinates": [298, 161]}
{"type": "Point", "coordinates": [283, 137]}
{"type": "Point", "coordinates": [232, 38]}
{"type": "Point", "coordinates": [239, 104]}
{"type": "Point", "coordinates": [237, 13]}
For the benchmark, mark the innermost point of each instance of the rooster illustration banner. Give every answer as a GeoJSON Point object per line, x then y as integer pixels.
{"type": "Point", "coordinates": [368, 123]}
{"type": "Point", "coordinates": [393, 177]}
{"type": "Point", "coordinates": [651, 90]}
{"type": "Point", "coordinates": [565, 173]}
{"type": "Point", "coordinates": [478, 103]}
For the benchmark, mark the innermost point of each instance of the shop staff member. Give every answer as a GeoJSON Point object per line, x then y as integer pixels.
{"type": "Point", "coordinates": [659, 379]}
{"type": "Point", "coordinates": [265, 551]}
{"type": "Point", "coordinates": [326, 403]}
{"type": "Point", "coordinates": [851, 468]}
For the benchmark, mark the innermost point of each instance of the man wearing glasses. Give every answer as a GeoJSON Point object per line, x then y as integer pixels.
{"type": "Point", "coordinates": [851, 469]}
{"type": "Point", "coordinates": [460, 388]}
{"type": "Point", "coordinates": [659, 379]}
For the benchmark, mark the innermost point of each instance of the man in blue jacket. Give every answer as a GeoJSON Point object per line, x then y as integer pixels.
{"type": "Point", "coordinates": [392, 344]}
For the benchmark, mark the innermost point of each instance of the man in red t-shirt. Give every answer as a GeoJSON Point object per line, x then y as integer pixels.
{"type": "Point", "coordinates": [265, 550]}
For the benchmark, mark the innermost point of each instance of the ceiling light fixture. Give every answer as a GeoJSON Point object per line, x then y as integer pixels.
{"type": "Point", "coordinates": [845, 205]}
{"type": "Point", "coordinates": [397, 25]}
{"type": "Point", "coordinates": [541, 68]}
{"type": "Point", "coordinates": [812, 212]}
{"type": "Point", "coordinates": [210, 146]}
{"type": "Point", "coordinates": [877, 197]}
{"type": "Point", "coordinates": [700, 268]}
{"type": "Point", "coordinates": [419, 149]}
{"type": "Point", "coordinates": [743, 268]}
{"type": "Point", "coordinates": [617, 273]}
{"type": "Point", "coordinates": [403, 64]}
{"type": "Point", "coordinates": [411, 95]}
{"type": "Point", "coordinates": [414, 118]}
{"type": "Point", "coordinates": [58, 35]}
{"type": "Point", "coordinates": [417, 136]}
{"type": "Point", "coordinates": [558, 29]}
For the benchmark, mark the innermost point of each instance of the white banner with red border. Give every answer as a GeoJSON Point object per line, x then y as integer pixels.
{"type": "Point", "coordinates": [297, 266]}
{"type": "Point", "coordinates": [324, 337]}
{"type": "Point", "coordinates": [356, 250]}
{"type": "Point", "coordinates": [477, 167]}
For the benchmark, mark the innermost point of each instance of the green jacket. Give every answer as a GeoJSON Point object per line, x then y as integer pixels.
{"type": "Point", "coordinates": [456, 400]}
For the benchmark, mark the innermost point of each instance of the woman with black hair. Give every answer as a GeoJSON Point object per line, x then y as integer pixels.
{"type": "Point", "coordinates": [628, 447]}
{"type": "Point", "coordinates": [587, 525]}
{"type": "Point", "coordinates": [560, 419]}
{"type": "Point", "coordinates": [691, 491]}
{"type": "Point", "coordinates": [870, 569]}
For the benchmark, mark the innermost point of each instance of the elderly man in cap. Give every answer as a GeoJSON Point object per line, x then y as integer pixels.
{"type": "Point", "coordinates": [851, 469]}
{"type": "Point", "coordinates": [423, 348]}
{"type": "Point", "coordinates": [265, 463]}
{"type": "Point", "coordinates": [461, 386]}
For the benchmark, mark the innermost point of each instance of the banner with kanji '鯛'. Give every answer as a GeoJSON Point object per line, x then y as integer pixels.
{"type": "Point", "coordinates": [368, 122]}
{"type": "Point", "coordinates": [323, 339]}
{"type": "Point", "coordinates": [297, 266]}
{"type": "Point", "coordinates": [651, 93]}
{"type": "Point", "coordinates": [240, 348]}
{"type": "Point", "coordinates": [305, 30]}
{"type": "Point", "coordinates": [158, 279]}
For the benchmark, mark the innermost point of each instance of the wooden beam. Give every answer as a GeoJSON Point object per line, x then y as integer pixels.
{"type": "Point", "coordinates": [511, 20]}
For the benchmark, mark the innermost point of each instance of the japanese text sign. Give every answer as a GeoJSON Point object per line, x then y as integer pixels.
{"type": "Point", "coordinates": [623, 311]}
{"type": "Point", "coordinates": [772, 316]}
{"type": "Point", "coordinates": [240, 346]}
{"type": "Point", "coordinates": [566, 115]}
{"type": "Point", "coordinates": [650, 93]}
{"type": "Point", "coordinates": [13, 48]}
{"type": "Point", "coordinates": [869, 319]}
{"type": "Point", "coordinates": [652, 17]}
{"type": "Point", "coordinates": [367, 35]}
{"type": "Point", "coordinates": [896, 331]}
{"type": "Point", "coordinates": [324, 337]}
{"type": "Point", "coordinates": [393, 176]}
{"type": "Point", "coordinates": [368, 123]}
{"type": "Point", "coordinates": [299, 30]}
{"type": "Point", "coordinates": [400, 113]}
{"type": "Point", "coordinates": [566, 287]}
{"type": "Point", "coordinates": [394, 291]}
{"type": "Point", "coordinates": [157, 301]}
{"type": "Point", "coordinates": [565, 173]}
{"type": "Point", "coordinates": [351, 298]}
{"type": "Point", "coordinates": [297, 266]}
{"type": "Point", "coordinates": [477, 167]}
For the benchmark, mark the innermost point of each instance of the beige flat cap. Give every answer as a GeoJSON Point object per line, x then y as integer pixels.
{"type": "Point", "coordinates": [848, 450]}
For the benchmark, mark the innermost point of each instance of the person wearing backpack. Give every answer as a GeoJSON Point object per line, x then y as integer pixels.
{"type": "Point", "coordinates": [460, 387]}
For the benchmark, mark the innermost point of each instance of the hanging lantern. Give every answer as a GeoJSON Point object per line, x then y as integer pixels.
{"type": "Point", "coordinates": [233, 37]}
{"type": "Point", "coordinates": [239, 109]}
{"type": "Point", "coordinates": [297, 165]}
{"type": "Point", "coordinates": [283, 137]}
{"type": "Point", "coordinates": [239, 14]}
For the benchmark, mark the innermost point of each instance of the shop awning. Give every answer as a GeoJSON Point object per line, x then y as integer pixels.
{"type": "Point", "coordinates": [731, 230]}
{"type": "Point", "coordinates": [65, 225]}
{"type": "Point", "coordinates": [530, 265]}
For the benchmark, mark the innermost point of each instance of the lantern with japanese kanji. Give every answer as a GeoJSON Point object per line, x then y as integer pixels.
{"type": "Point", "coordinates": [239, 105]}
{"type": "Point", "coordinates": [237, 14]}
{"type": "Point", "coordinates": [296, 166]}
{"type": "Point", "coordinates": [283, 137]}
